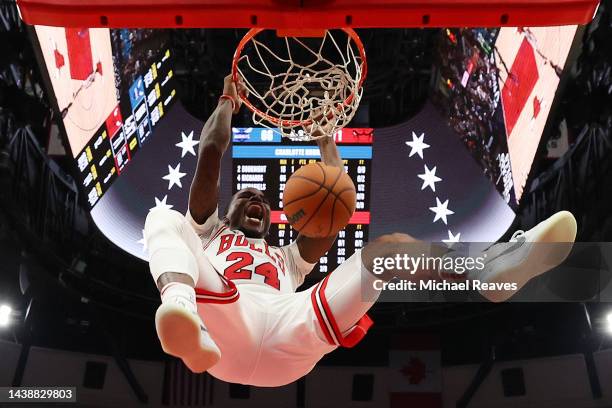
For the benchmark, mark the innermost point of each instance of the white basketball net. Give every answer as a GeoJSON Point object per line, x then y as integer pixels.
{"type": "Point", "coordinates": [298, 90]}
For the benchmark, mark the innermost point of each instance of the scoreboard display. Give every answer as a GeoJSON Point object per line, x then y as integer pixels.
{"type": "Point", "coordinates": [112, 88]}
{"type": "Point", "coordinates": [127, 128]}
{"type": "Point", "coordinates": [264, 160]}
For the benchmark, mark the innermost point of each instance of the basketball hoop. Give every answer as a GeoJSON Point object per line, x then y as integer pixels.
{"type": "Point", "coordinates": [307, 86]}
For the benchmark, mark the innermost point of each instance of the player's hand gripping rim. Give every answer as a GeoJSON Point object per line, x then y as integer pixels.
{"type": "Point", "coordinates": [232, 90]}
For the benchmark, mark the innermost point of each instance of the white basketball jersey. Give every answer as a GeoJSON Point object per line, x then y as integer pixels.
{"type": "Point", "coordinates": [268, 335]}
{"type": "Point", "coordinates": [251, 261]}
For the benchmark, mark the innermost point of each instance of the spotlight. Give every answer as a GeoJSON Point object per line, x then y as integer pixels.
{"type": "Point", "coordinates": [5, 314]}
{"type": "Point", "coordinates": [609, 320]}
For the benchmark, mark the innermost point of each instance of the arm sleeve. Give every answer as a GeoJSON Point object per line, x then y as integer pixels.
{"type": "Point", "coordinates": [297, 265]}
{"type": "Point", "coordinates": [206, 230]}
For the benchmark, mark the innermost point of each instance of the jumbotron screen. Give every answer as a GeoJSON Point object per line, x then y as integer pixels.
{"type": "Point", "coordinates": [530, 63]}
{"type": "Point", "coordinates": [496, 86]}
{"type": "Point", "coordinates": [112, 88]}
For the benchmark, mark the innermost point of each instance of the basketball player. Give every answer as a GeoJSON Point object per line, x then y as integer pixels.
{"type": "Point", "coordinates": [229, 304]}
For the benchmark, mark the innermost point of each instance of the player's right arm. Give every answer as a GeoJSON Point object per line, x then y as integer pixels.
{"type": "Point", "coordinates": [214, 141]}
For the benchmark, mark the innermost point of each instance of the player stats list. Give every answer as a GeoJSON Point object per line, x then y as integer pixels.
{"type": "Point", "coordinates": [127, 128]}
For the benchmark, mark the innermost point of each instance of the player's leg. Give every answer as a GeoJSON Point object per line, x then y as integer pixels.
{"type": "Point", "coordinates": [342, 299]}
{"type": "Point", "coordinates": [178, 263]}
{"type": "Point", "coordinates": [527, 255]}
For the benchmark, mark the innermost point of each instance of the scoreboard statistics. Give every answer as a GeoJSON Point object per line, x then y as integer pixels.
{"type": "Point", "coordinates": [127, 128]}
{"type": "Point", "coordinates": [112, 88]}
{"type": "Point", "coordinates": [264, 160]}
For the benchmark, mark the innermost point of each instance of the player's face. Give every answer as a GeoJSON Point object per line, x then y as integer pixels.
{"type": "Point", "coordinates": [249, 212]}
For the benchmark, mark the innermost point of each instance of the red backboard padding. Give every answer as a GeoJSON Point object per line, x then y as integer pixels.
{"type": "Point", "coordinates": [306, 14]}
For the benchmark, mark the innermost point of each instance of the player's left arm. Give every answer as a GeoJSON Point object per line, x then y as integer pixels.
{"type": "Point", "coordinates": [312, 249]}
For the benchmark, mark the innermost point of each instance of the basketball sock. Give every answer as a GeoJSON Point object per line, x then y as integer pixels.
{"type": "Point", "coordinates": [176, 292]}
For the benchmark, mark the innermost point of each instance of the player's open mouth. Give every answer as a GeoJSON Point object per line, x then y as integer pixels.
{"type": "Point", "coordinates": [255, 213]}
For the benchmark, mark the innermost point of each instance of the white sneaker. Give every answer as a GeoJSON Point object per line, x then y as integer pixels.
{"type": "Point", "coordinates": [524, 258]}
{"type": "Point", "coordinates": [182, 334]}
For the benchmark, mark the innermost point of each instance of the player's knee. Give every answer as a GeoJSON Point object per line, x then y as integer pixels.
{"type": "Point", "coordinates": [163, 220]}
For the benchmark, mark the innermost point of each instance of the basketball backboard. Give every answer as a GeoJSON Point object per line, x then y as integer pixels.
{"type": "Point", "coordinates": [305, 14]}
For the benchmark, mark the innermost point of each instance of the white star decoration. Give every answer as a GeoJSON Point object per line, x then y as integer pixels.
{"type": "Point", "coordinates": [162, 203]}
{"type": "Point", "coordinates": [417, 145]}
{"type": "Point", "coordinates": [174, 176]}
{"type": "Point", "coordinates": [441, 210]}
{"type": "Point", "coordinates": [187, 144]}
{"type": "Point", "coordinates": [452, 238]}
{"type": "Point", "coordinates": [429, 178]}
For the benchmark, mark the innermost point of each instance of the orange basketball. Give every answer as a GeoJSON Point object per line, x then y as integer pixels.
{"type": "Point", "coordinates": [319, 200]}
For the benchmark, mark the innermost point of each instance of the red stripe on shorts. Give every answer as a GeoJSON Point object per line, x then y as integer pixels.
{"type": "Point", "coordinates": [206, 296]}
{"type": "Point", "coordinates": [325, 317]}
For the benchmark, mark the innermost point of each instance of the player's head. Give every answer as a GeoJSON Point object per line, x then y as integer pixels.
{"type": "Point", "coordinates": [249, 212]}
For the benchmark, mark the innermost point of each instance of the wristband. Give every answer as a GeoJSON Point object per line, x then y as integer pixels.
{"type": "Point", "coordinates": [231, 99]}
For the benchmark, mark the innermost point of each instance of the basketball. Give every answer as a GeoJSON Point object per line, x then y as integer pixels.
{"type": "Point", "coordinates": [319, 200]}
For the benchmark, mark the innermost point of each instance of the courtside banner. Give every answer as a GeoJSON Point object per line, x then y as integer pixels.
{"type": "Point", "coordinates": [517, 271]}
{"type": "Point", "coordinates": [415, 371]}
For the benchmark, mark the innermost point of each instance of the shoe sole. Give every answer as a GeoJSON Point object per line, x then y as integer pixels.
{"type": "Point", "coordinates": [560, 228]}
{"type": "Point", "coordinates": [179, 335]}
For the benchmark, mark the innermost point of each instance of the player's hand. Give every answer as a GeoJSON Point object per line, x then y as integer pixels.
{"type": "Point", "coordinates": [322, 125]}
{"type": "Point", "coordinates": [234, 89]}
{"type": "Point", "coordinates": [396, 238]}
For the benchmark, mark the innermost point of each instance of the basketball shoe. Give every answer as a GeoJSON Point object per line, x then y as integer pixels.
{"type": "Point", "coordinates": [527, 255]}
{"type": "Point", "coordinates": [182, 333]}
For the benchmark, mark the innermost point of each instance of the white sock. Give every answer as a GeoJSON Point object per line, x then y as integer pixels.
{"type": "Point", "coordinates": [182, 293]}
